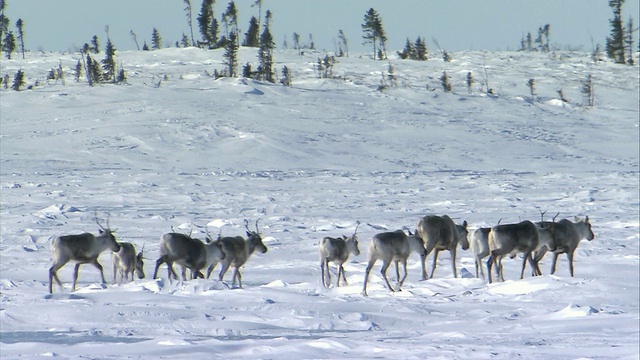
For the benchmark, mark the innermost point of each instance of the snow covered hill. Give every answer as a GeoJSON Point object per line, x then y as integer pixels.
{"type": "Point", "coordinates": [176, 147]}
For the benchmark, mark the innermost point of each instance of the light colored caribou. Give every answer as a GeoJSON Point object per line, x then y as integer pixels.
{"type": "Point", "coordinates": [441, 233]}
{"type": "Point", "coordinates": [337, 250]}
{"type": "Point", "coordinates": [567, 235]}
{"type": "Point", "coordinates": [186, 251]}
{"type": "Point", "coordinates": [237, 251]}
{"type": "Point", "coordinates": [511, 239]}
{"type": "Point", "coordinates": [126, 262]}
{"type": "Point", "coordinates": [479, 244]}
{"type": "Point", "coordinates": [83, 249]}
{"type": "Point", "coordinates": [545, 241]}
{"type": "Point", "coordinates": [392, 246]}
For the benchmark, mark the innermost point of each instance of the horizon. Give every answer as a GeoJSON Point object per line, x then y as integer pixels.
{"type": "Point", "coordinates": [65, 25]}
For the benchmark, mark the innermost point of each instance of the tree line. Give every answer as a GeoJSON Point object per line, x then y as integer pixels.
{"type": "Point", "coordinates": [224, 33]}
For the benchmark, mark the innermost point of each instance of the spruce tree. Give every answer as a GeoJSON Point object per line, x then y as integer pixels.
{"type": "Point", "coordinates": [60, 73]}
{"type": "Point", "coordinates": [587, 91]}
{"type": "Point", "coordinates": [539, 40]}
{"type": "Point", "coordinates": [287, 79]}
{"type": "Point", "coordinates": [343, 38]}
{"type": "Point", "coordinates": [185, 40]}
{"type": "Point", "coordinates": [252, 36]}
{"type": "Point", "coordinates": [135, 39]}
{"type": "Point", "coordinates": [312, 44]}
{"type": "Point", "coordinates": [109, 62]}
{"type": "Point", "coordinates": [156, 40]}
{"type": "Point", "coordinates": [246, 71]}
{"type": "Point", "coordinates": [231, 55]}
{"type": "Point", "coordinates": [547, 44]}
{"type": "Point", "coordinates": [20, 26]}
{"type": "Point", "coordinates": [531, 83]}
{"type": "Point", "coordinates": [204, 22]}
{"type": "Point", "coordinates": [189, 15]}
{"type": "Point", "coordinates": [94, 71]}
{"type": "Point", "coordinates": [230, 19]}
{"type": "Point", "coordinates": [78, 71]}
{"type": "Point", "coordinates": [121, 78]}
{"type": "Point", "coordinates": [628, 40]}
{"type": "Point", "coordinates": [296, 43]}
{"type": "Point", "coordinates": [444, 80]}
{"type": "Point", "coordinates": [95, 44]}
{"type": "Point", "coordinates": [374, 33]}
{"type": "Point", "coordinates": [265, 53]}
{"type": "Point", "coordinates": [470, 82]}
{"type": "Point", "coordinates": [420, 50]}
{"type": "Point", "coordinates": [369, 28]}
{"type": "Point", "coordinates": [382, 39]}
{"type": "Point", "coordinates": [407, 51]}
{"type": "Point", "coordinates": [18, 81]}
{"type": "Point", "coordinates": [4, 24]}
{"type": "Point", "coordinates": [9, 44]}
{"type": "Point", "coordinates": [259, 4]}
{"type": "Point", "coordinates": [615, 43]}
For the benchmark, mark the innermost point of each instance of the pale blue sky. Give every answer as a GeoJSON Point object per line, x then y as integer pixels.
{"type": "Point", "coordinates": [62, 25]}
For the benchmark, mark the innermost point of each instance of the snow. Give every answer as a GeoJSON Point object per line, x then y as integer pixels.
{"type": "Point", "coordinates": [176, 148]}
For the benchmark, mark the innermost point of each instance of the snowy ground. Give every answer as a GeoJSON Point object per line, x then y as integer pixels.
{"type": "Point", "coordinates": [177, 147]}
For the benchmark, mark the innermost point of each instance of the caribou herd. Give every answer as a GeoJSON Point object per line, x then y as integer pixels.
{"type": "Point", "coordinates": [433, 234]}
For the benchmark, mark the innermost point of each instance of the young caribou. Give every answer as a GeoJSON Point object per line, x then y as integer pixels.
{"type": "Point", "coordinates": [126, 262]}
{"type": "Point", "coordinates": [440, 233]}
{"type": "Point", "coordinates": [566, 237]}
{"type": "Point", "coordinates": [337, 250]}
{"type": "Point", "coordinates": [479, 244]}
{"type": "Point", "coordinates": [545, 242]}
{"type": "Point", "coordinates": [392, 246]}
{"type": "Point", "coordinates": [237, 251]}
{"type": "Point", "coordinates": [83, 249]}
{"type": "Point", "coordinates": [510, 239]}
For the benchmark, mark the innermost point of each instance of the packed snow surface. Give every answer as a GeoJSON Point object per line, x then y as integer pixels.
{"type": "Point", "coordinates": [176, 148]}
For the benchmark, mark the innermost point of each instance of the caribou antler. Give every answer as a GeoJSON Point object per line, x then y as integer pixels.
{"type": "Point", "coordinates": [95, 216]}
{"type": "Point", "coordinates": [356, 230]}
{"type": "Point", "coordinates": [554, 218]}
{"type": "Point", "coordinates": [206, 229]}
{"type": "Point", "coordinates": [542, 215]}
{"type": "Point", "coordinates": [257, 231]}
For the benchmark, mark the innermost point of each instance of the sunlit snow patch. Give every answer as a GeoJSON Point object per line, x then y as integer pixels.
{"type": "Point", "coordinates": [173, 342]}
{"type": "Point", "coordinates": [52, 211]}
{"type": "Point", "coordinates": [276, 284]}
{"type": "Point", "coordinates": [572, 311]}
{"type": "Point", "coordinates": [327, 344]}
{"type": "Point", "coordinates": [219, 223]}
{"type": "Point", "coordinates": [526, 286]}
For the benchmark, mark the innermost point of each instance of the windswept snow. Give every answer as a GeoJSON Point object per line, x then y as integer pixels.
{"type": "Point", "coordinates": [176, 148]}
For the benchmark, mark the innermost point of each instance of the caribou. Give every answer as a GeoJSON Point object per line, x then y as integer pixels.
{"type": "Point", "coordinates": [511, 239]}
{"type": "Point", "coordinates": [184, 250]}
{"type": "Point", "coordinates": [441, 233]}
{"type": "Point", "coordinates": [126, 262]}
{"type": "Point", "coordinates": [237, 251]}
{"type": "Point", "coordinates": [392, 246]}
{"type": "Point", "coordinates": [83, 249]}
{"type": "Point", "coordinates": [567, 235]}
{"type": "Point", "coordinates": [545, 242]}
{"type": "Point", "coordinates": [479, 244]}
{"type": "Point", "coordinates": [337, 250]}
